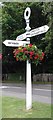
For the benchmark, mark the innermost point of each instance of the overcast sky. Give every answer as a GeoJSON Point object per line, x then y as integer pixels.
{"type": "Point", "coordinates": [1, 4]}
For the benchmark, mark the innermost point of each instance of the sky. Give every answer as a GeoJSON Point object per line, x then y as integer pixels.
{"type": "Point", "coordinates": [1, 4]}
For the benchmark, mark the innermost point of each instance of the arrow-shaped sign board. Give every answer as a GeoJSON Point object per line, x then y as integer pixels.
{"type": "Point", "coordinates": [14, 43]}
{"type": "Point", "coordinates": [39, 30]}
{"type": "Point", "coordinates": [33, 32]}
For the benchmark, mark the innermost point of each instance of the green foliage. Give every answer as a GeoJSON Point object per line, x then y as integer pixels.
{"type": "Point", "coordinates": [48, 10]}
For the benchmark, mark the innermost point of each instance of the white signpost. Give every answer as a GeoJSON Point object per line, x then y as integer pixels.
{"type": "Point", "coordinates": [19, 42]}
{"type": "Point", "coordinates": [14, 43]}
{"type": "Point", "coordinates": [33, 32]}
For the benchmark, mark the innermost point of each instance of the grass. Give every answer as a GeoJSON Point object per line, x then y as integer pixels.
{"type": "Point", "coordinates": [13, 81]}
{"type": "Point", "coordinates": [15, 108]}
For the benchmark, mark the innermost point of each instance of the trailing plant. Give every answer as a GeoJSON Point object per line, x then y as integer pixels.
{"type": "Point", "coordinates": [29, 52]}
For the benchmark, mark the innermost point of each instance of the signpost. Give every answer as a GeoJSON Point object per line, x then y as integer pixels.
{"type": "Point", "coordinates": [19, 42]}
{"type": "Point", "coordinates": [34, 32]}
{"type": "Point", "coordinates": [14, 43]}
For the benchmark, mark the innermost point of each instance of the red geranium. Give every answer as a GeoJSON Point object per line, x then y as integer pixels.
{"type": "Point", "coordinates": [30, 45]}
{"type": "Point", "coordinates": [43, 54]}
{"type": "Point", "coordinates": [31, 53]}
{"type": "Point", "coordinates": [41, 58]}
{"type": "Point", "coordinates": [16, 52]}
{"type": "Point", "coordinates": [26, 52]}
{"type": "Point", "coordinates": [36, 56]}
{"type": "Point", "coordinates": [24, 49]}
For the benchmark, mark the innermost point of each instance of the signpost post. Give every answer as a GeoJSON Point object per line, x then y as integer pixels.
{"type": "Point", "coordinates": [19, 42]}
{"type": "Point", "coordinates": [28, 65]}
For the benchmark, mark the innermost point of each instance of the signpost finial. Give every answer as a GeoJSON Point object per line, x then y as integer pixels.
{"type": "Point", "coordinates": [27, 13]}
{"type": "Point", "coordinates": [26, 17]}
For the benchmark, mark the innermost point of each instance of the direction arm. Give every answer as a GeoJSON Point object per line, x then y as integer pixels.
{"type": "Point", "coordinates": [34, 32]}
{"type": "Point", "coordinates": [39, 30]}
{"type": "Point", "coordinates": [14, 43]}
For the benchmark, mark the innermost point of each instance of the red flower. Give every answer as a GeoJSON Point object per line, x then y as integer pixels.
{"type": "Point", "coordinates": [43, 54]}
{"type": "Point", "coordinates": [24, 49]}
{"type": "Point", "coordinates": [36, 56]}
{"type": "Point", "coordinates": [30, 45]}
{"type": "Point", "coordinates": [16, 52]}
{"type": "Point", "coordinates": [26, 52]}
{"type": "Point", "coordinates": [41, 58]}
{"type": "Point", "coordinates": [31, 53]}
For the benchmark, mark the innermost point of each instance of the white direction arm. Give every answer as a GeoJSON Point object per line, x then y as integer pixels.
{"type": "Point", "coordinates": [14, 43]}
{"type": "Point", "coordinates": [34, 32]}
{"type": "Point", "coordinates": [39, 30]}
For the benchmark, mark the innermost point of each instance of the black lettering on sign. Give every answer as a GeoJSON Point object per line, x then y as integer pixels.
{"type": "Point", "coordinates": [15, 43]}
{"type": "Point", "coordinates": [9, 42]}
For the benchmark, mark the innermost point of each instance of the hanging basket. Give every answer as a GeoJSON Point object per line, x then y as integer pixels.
{"type": "Point", "coordinates": [29, 52]}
